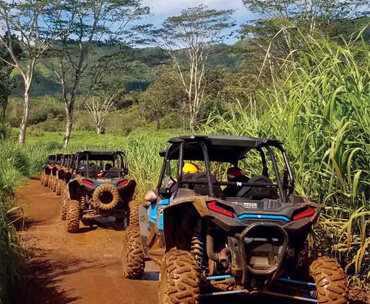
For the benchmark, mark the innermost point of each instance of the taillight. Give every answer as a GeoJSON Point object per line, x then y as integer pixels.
{"type": "Point", "coordinates": [306, 213]}
{"type": "Point", "coordinates": [216, 208]}
{"type": "Point", "coordinates": [87, 182]}
{"type": "Point", "coordinates": [123, 183]}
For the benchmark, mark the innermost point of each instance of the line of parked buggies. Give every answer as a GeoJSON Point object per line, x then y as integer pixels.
{"type": "Point", "coordinates": [246, 235]}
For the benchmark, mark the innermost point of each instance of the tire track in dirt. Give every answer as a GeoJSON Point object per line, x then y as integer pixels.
{"type": "Point", "coordinates": [73, 268]}
{"type": "Point", "coordinates": [84, 267]}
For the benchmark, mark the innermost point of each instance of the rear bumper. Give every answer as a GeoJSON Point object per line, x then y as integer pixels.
{"type": "Point", "coordinates": [258, 254]}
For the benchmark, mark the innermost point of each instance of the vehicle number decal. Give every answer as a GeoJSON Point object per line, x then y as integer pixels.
{"type": "Point", "coordinates": [251, 205]}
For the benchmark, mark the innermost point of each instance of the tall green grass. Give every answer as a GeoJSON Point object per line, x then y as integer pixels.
{"type": "Point", "coordinates": [321, 111]}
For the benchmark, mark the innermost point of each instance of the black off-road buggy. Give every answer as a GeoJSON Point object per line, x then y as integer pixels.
{"type": "Point", "coordinates": [46, 170]}
{"type": "Point", "coordinates": [54, 167]}
{"type": "Point", "coordinates": [251, 241]}
{"type": "Point", "coordinates": [63, 173]}
{"type": "Point", "coordinates": [99, 187]}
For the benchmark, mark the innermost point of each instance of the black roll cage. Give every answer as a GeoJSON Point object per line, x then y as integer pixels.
{"type": "Point", "coordinates": [165, 171]}
{"type": "Point", "coordinates": [66, 159]}
{"type": "Point", "coordinates": [118, 156]}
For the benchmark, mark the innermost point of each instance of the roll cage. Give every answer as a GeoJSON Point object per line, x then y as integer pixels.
{"type": "Point", "coordinates": [118, 159]}
{"type": "Point", "coordinates": [65, 160]}
{"type": "Point", "coordinates": [50, 159]}
{"type": "Point", "coordinates": [224, 149]}
{"type": "Point", "coordinates": [57, 159]}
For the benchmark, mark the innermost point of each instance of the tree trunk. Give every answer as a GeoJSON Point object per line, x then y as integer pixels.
{"type": "Point", "coordinates": [158, 124]}
{"type": "Point", "coordinates": [99, 130]}
{"type": "Point", "coordinates": [69, 123]}
{"type": "Point", "coordinates": [26, 113]}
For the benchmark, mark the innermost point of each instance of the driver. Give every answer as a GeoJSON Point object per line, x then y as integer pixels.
{"type": "Point", "coordinates": [188, 169]}
{"type": "Point", "coordinates": [234, 174]}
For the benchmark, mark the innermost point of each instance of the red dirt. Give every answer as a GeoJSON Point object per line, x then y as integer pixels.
{"type": "Point", "coordinates": [74, 268]}
{"type": "Point", "coordinates": [83, 267]}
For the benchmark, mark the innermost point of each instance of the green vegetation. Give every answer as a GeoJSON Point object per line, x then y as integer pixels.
{"type": "Point", "coordinates": [299, 74]}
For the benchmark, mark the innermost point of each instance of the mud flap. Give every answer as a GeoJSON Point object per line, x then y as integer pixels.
{"type": "Point", "coordinates": [144, 228]}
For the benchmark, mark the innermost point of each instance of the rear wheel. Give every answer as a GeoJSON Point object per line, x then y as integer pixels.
{"type": "Point", "coordinates": [50, 180]}
{"type": "Point", "coordinates": [179, 282]}
{"type": "Point", "coordinates": [59, 187]}
{"type": "Point", "coordinates": [330, 281]}
{"type": "Point", "coordinates": [45, 180]}
{"type": "Point", "coordinates": [133, 259]}
{"type": "Point", "coordinates": [54, 184]}
{"type": "Point", "coordinates": [73, 216]}
{"type": "Point", "coordinates": [64, 208]}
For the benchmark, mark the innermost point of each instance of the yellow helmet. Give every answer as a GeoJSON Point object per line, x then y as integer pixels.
{"type": "Point", "coordinates": [190, 168]}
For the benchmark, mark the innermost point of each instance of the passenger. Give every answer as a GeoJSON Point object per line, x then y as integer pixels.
{"type": "Point", "coordinates": [188, 169]}
{"type": "Point", "coordinates": [234, 174]}
{"type": "Point", "coordinates": [104, 172]}
{"type": "Point", "coordinates": [108, 166]}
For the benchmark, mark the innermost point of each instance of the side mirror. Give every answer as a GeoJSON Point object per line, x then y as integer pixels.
{"type": "Point", "coordinates": [165, 192]}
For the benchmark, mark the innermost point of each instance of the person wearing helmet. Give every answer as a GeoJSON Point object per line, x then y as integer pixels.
{"type": "Point", "coordinates": [189, 169]}
{"type": "Point", "coordinates": [234, 174]}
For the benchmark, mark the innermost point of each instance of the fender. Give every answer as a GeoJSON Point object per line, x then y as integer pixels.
{"type": "Point", "coordinates": [74, 189]}
{"type": "Point", "coordinates": [60, 174]}
{"type": "Point", "coordinates": [144, 228]}
{"type": "Point", "coordinates": [179, 210]}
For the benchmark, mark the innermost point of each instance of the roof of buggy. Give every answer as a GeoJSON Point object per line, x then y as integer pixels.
{"type": "Point", "coordinates": [100, 155]}
{"type": "Point", "coordinates": [221, 148]}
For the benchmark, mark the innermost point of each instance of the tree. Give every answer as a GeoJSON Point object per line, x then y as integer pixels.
{"type": "Point", "coordinates": [163, 96]}
{"type": "Point", "coordinates": [309, 14]}
{"type": "Point", "coordinates": [274, 40]}
{"type": "Point", "coordinates": [93, 22]}
{"type": "Point", "coordinates": [105, 90]}
{"type": "Point", "coordinates": [188, 38]}
{"type": "Point", "coordinates": [28, 20]}
{"type": "Point", "coordinates": [6, 83]}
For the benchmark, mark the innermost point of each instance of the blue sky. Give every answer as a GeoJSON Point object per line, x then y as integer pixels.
{"type": "Point", "coordinates": [161, 9]}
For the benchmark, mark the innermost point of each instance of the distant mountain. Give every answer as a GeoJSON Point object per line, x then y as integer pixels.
{"type": "Point", "coordinates": [140, 73]}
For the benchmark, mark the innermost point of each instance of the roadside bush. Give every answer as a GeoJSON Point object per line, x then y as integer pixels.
{"type": "Point", "coordinates": [4, 131]}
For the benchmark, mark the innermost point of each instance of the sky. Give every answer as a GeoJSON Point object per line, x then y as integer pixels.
{"type": "Point", "coordinates": [162, 9]}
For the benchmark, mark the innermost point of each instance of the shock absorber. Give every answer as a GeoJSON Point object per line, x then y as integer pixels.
{"type": "Point", "coordinates": [197, 246]}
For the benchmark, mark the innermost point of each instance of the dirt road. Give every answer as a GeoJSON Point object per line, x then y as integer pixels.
{"type": "Point", "coordinates": [80, 268]}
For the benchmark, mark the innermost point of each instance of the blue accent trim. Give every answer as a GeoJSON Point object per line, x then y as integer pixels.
{"type": "Point", "coordinates": [285, 280]}
{"type": "Point", "coordinates": [97, 184]}
{"type": "Point", "coordinates": [164, 202]}
{"type": "Point", "coordinates": [222, 277]}
{"type": "Point", "coordinates": [160, 222]}
{"type": "Point", "coordinates": [153, 212]}
{"type": "Point", "coordinates": [263, 217]}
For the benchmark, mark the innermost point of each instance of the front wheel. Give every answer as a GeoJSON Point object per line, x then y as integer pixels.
{"type": "Point", "coordinates": [73, 216]}
{"type": "Point", "coordinates": [330, 281]}
{"type": "Point", "coordinates": [180, 281]}
{"type": "Point", "coordinates": [133, 259]}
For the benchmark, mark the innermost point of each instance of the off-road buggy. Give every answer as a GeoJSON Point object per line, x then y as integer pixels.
{"type": "Point", "coordinates": [251, 242]}
{"type": "Point", "coordinates": [63, 173]}
{"type": "Point", "coordinates": [53, 172]}
{"type": "Point", "coordinates": [99, 187]}
{"type": "Point", "coordinates": [46, 170]}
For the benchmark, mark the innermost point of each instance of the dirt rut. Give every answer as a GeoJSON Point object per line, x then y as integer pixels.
{"type": "Point", "coordinates": [83, 267]}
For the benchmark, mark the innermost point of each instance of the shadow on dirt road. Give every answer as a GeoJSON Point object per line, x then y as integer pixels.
{"type": "Point", "coordinates": [84, 267]}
